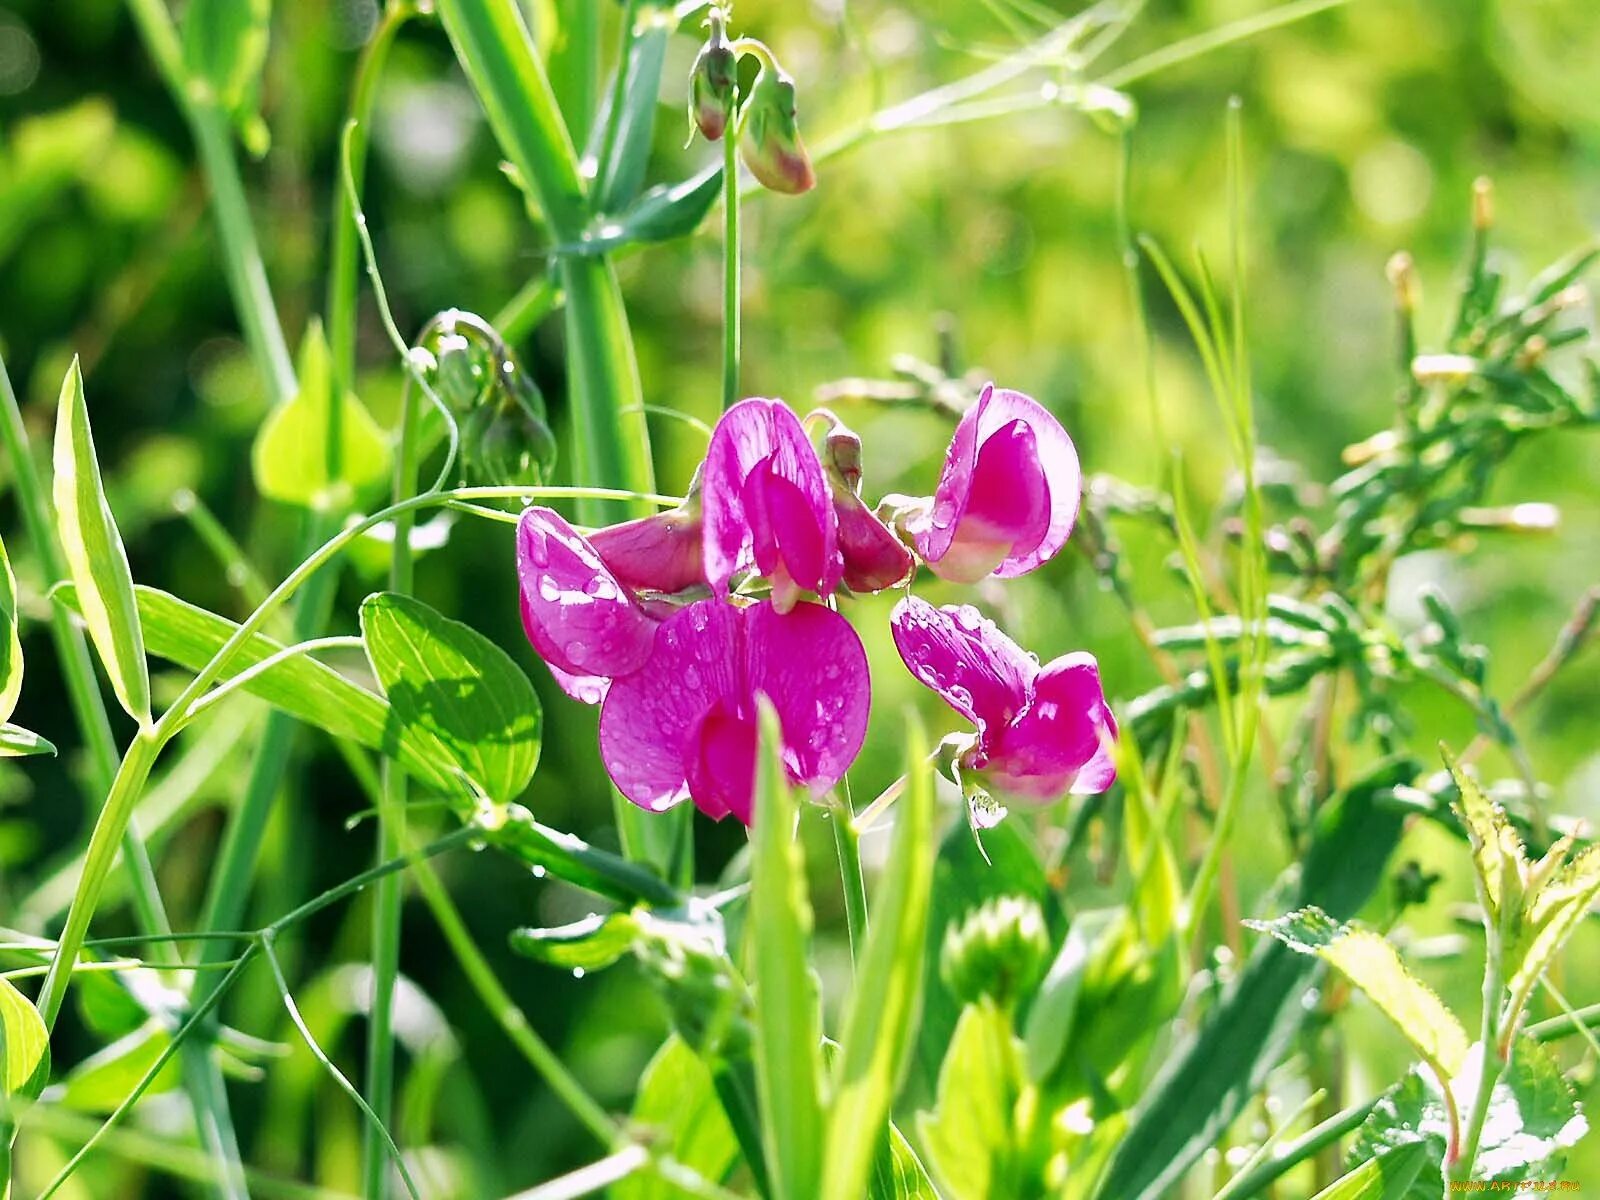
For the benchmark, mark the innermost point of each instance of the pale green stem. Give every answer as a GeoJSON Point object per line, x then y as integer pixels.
{"type": "Point", "coordinates": [730, 264]}
{"type": "Point", "coordinates": [847, 844]}
{"type": "Point", "coordinates": [389, 896]}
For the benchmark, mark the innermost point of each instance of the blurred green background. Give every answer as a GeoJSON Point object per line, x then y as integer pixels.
{"type": "Point", "coordinates": [1364, 127]}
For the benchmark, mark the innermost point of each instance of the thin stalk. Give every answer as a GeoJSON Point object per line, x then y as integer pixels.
{"type": "Point", "coordinates": [611, 437]}
{"type": "Point", "coordinates": [511, 1019]}
{"type": "Point", "coordinates": [77, 667]}
{"type": "Point", "coordinates": [344, 254]}
{"type": "Point", "coordinates": [1492, 1061]}
{"type": "Point", "coordinates": [1307, 1145]}
{"type": "Point", "coordinates": [1579, 1020]}
{"type": "Point", "coordinates": [389, 897]}
{"type": "Point", "coordinates": [730, 263]}
{"type": "Point", "coordinates": [847, 844]}
{"type": "Point", "coordinates": [241, 254]}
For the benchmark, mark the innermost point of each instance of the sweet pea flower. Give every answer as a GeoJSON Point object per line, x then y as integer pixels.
{"type": "Point", "coordinates": [586, 625]}
{"type": "Point", "coordinates": [683, 725]}
{"type": "Point", "coordinates": [658, 553]}
{"type": "Point", "coordinates": [874, 558]}
{"type": "Point", "coordinates": [1042, 731]}
{"type": "Point", "coordinates": [766, 504]}
{"type": "Point", "coordinates": [1008, 496]}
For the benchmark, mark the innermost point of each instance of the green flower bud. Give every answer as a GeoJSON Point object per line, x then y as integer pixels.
{"type": "Point", "coordinates": [769, 136]}
{"type": "Point", "coordinates": [999, 950]}
{"type": "Point", "coordinates": [507, 443]}
{"type": "Point", "coordinates": [713, 82]}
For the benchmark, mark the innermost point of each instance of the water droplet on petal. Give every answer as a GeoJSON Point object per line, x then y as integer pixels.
{"type": "Point", "coordinates": [577, 972]}
{"type": "Point", "coordinates": [548, 590]}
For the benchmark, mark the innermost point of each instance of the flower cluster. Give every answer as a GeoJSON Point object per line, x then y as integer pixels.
{"type": "Point", "coordinates": [674, 624]}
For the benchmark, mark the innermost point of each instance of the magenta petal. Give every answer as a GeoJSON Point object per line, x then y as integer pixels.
{"type": "Point", "coordinates": [660, 553]}
{"type": "Point", "coordinates": [651, 722]}
{"type": "Point", "coordinates": [810, 663]}
{"type": "Point", "coordinates": [977, 669]}
{"type": "Point", "coordinates": [586, 689]}
{"type": "Point", "coordinates": [577, 615]}
{"type": "Point", "coordinates": [721, 763]}
{"type": "Point", "coordinates": [766, 501]}
{"type": "Point", "coordinates": [874, 558]}
{"type": "Point", "coordinates": [1062, 742]}
{"type": "Point", "coordinates": [1009, 493]}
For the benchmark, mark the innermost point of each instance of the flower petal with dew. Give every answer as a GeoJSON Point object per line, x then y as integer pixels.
{"type": "Point", "coordinates": [1042, 731]}
{"type": "Point", "coordinates": [1008, 496]}
{"type": "Point", "coordinates": [658, 553]}
{"type": "Point", "coordinates": [766, 504]}
{"type": "Point", "coordinates": [683, 726]}
{"type": "Point", "coordinates": [580, 618]}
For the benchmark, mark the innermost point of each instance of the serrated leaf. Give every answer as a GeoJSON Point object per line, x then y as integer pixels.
{"type": "Point", "coordinates": [301, 686]}
{"type": "Point", "coordinates": [1497, 852]}
{"type": "Point", "coordinates": [25, 1039]}
{"type": "Point", "coordinates": [17, 742]}
{"type": "Point", "coordinates": [970, 1137]}
{"type": "Point", "coordinates": [1374, 966]}
{"type": "Point", "coordinates": [96, 560]}
{"type": "Point", "coordinates": [788, 1047]}
{"type": "Point", "coordinates": [884, 1005]}
{"type": "Point", "coordinates": [1556, 911]}
{"type": "Point", "coordinates": [1390, 1176]}
{"type": "Point", "coordinates": [447, 681]}
{"type": "Point", "coordinates": [1533, 1118]}
{"type": "Point", "coordinates": [225, 49]}
{"type": "Point", "coordinates": [593, 943]}
{"type": "Point", "coordinates": [10, 643]}
{"type": "Point", "coordinates": [291, 455]}
{"type": "Point", "coordinates": [678, 1108]}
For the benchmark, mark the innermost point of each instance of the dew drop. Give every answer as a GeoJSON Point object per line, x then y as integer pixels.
{"type": "Point", "coordinates": [538, 872]}
{"type": "Point", "coordinates": [548, 589]}
{"type": "Point", "coordinates": [577, 972]}
{"type": "Point", "coordinates": [691, 677]}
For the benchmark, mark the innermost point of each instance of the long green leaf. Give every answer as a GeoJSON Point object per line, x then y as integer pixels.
{"type": "Point", "coordinates": [10, 644]}
{"type": "Point", "coordinates": [17, 742]}
{"type": "Point", "coordinates": [96, 559]}
{"type": "Point", "coordinates": [224, 52]}
{"type": "Point", "coordinates": [628, 126]}
{"type": "Point", "coordinates": [971, 1137]}
{"type": "Point", "coordinates": [1387, 1177]}
{"type": "Point", "coordinates": [26, 1041]}
{"type": "Point", "coordinates": [1368, 960]}
{"type": "Point", "coordinates": [447, 681]}
{"type": "Point", "coordinates": [788, 1023]}
{"type": "Point", "coordinates": [302, 687]}
{"type": "Point", "coordinates": [1208, 1081]}
{"type": "Point", "coordinates": [884, 1003]}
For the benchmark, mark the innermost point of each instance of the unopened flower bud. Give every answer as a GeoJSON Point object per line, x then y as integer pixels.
{"type": "Point", "coordinates": [1482, 203]}
{"type": "Point", "coordinates": [769, 135]}
{"type": "Point", "coordinates": [507, 443]}
{"type": "Point", "coordinates": [713, 82]}
{"type": "Point", "coordinates": [1000, 950]}
{"type": "Point", "coordinates": [1402, 272]}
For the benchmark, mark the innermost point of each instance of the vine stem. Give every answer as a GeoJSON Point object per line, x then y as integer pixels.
{"type": "Point", "coordinates": [389, 896]}
{"type": "Point", "coordinates": [730, 262]}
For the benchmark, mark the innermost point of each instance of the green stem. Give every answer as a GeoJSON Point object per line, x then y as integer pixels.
{"type": "Point", "coordinates": [847, 844]}
{"type": "Point", "coordinates": [1307, 1145]}
{"type": "Point", "coordinates": [77, 667]}
{"type": "Point", "coordinates": [730, 264]}
{"type": "Point", "coordinates": [611, 438]}
{"type": "Point", "coordinates": [344, 255]}
{"type": "Point", "coordinates": [507, 1015]}
{"type": "Point", "coordinates": [1578, 1020]}
{"type": "Point", "coordinates": [389, 896]}
{"type": "Point", "coordinates": [108, 830]}
{"type": "Point", "coordinates": [1458, 1162]}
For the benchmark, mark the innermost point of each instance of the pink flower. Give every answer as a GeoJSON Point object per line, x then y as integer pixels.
{"type": "Point", "coordinates": [659, 553]}
{"type": "Point", "coordinates": [684, 724]}
{"type": "Point", "coordinates": [1042, 731]}
{"type": "Point", "coordinates": [767, 505]}
{"type": "Point", "coordinates": [584, 623]}
{"type": "Point", "coordinates": [1009, 494]}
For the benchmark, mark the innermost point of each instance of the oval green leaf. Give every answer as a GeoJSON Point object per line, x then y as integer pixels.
{"type": "Point", "coordinates": [25, 1039]}
{"type": "Point", "coordinates": [96, 560]}
{"type": "Point", "coordinates": [446, 680]}
{"type": "Point", "coordinates": [10, 645]}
